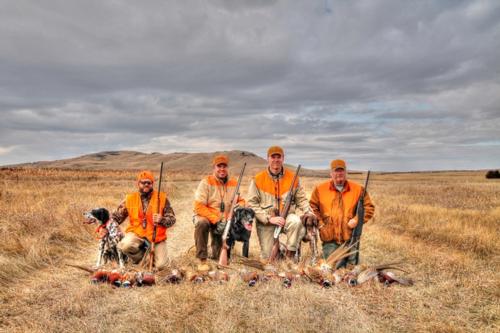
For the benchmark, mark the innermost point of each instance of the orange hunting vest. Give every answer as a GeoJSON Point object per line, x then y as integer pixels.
{"type": "Point", "coordinates": [133, 204]}
{"type": "Point", "coordinates": [276, 188]}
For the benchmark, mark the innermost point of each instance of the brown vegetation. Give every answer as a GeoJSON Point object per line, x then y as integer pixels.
{"type": "Point", "coordinates": [444, 226]}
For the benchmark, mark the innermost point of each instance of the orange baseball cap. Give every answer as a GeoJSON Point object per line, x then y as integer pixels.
{"type": "Point", "coordinates": [220, 159]}
{"type": "Point", "coordinates": [275, 150]}
{"type": "Point", "coordinates": [337, 164]}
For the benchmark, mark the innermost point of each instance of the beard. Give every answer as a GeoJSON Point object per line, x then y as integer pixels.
{"type": "Point", "coordinates": [145, 192]}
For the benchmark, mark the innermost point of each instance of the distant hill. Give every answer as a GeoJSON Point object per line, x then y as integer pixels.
{"type": "Point", "coordinates": [192, 163]}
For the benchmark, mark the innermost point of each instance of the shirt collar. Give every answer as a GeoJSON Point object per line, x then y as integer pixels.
{"type": "Point", "coordinates": [346, 186]}
{"type": "Point", "coordinates": [276, 176]}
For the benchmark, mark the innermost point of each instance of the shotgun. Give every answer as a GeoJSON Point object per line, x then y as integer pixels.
{"type": "Point", "coordinates": [223, 251]}
{"type": "Point", "coordinates": [360, 212]}
{"type": "Point", "coordinates": [284, 213]}
{"type": "Point", "coordinates": [153, 240]}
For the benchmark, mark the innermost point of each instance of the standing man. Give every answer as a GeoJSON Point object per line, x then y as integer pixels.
{"type": "Point", "coordinates": [266, 196]}
{"type": "Point", "coordinates": [334, 203]}
{"type": "Point", "coordinates": [212, 203]}
{"type": "Point", "coordinates": [141, 208]}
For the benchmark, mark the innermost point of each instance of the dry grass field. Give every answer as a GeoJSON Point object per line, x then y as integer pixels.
{"type": "Point", "coordinates": [443, 226]}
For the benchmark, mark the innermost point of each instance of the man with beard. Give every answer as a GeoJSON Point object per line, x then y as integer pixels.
{"type": "Point", "coordinates": [212, 203]}
{"type": "Point", "coordinates": [266, 197]}
{"type": "Point", "coordinates": [141, 207]}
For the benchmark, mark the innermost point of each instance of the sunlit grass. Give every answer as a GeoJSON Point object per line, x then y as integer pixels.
{"type": "Point", "coordinates": [443, 226]}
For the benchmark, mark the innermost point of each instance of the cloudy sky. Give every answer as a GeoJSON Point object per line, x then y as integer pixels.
{"type": "Point", "coordinates": [386, 85]}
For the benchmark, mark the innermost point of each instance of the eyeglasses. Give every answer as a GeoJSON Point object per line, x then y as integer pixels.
{"type": "Point", "coordinates": [146, 182]}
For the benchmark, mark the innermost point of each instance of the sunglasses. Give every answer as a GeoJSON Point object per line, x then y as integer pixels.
{"type": "Point", "coordinates": [146, 182]}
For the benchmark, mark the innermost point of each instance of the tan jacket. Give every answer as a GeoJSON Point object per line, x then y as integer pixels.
{"type": "Point", "coordinates": [209, 195]}
{"type": "Point", "coordinates": [334, 209]}
{"type": "Point", "coordinates": [265, 192]}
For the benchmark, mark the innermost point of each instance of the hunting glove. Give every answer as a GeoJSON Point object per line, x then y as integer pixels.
{"type": "Point", "coordinates": [219, 228]}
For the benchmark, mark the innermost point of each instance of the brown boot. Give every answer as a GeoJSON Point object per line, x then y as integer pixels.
{"type": "Point", "coordinates": [203, 266]}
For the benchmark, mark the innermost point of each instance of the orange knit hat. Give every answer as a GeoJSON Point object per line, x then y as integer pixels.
{"type": "Point", "coordinates": [145, 174]}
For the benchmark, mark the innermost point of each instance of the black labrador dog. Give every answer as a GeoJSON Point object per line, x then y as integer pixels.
{"type": "Point", "coordinates": [241, 229]}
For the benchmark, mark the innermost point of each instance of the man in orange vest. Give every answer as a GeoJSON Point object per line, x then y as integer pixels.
{"type": "Point", "coordinates": [141, 208]}
{"type": "Point", "coordinates": [334, 204]}
{"type": "Point", "coordinates": [211, 208]}
{"type": "Point", "coordinates": [266, 196]}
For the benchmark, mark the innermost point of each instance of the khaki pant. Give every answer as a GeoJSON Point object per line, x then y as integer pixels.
{"type": "Point", "coordinates": [203, 227]}
{"type": "Point", "coordinates": [293, 229]}
{"type": "Point", "coordinates": [133, 246]}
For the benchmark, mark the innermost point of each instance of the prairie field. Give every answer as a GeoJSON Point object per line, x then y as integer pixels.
{"type": "Point", "coordinates": [444, 227]}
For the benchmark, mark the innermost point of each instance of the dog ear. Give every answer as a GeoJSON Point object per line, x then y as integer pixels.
{"type": "Point", "coordinates": [96, 212]}
{"type": "Point", "coordinates": [237, 213]}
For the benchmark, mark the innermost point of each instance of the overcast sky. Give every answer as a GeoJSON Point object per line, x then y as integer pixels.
{"type": "Point", "coordinates": [386, 85]}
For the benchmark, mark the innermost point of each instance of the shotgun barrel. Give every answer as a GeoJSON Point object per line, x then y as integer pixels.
{"type": "Point", "coordinates": [284, 213]}
{"type": "Point", "coordinates": [360, 213]}
{"type": "Point", "coordinates": [153, 240]}
{"type": "Point", "coordinates": [223, 257]}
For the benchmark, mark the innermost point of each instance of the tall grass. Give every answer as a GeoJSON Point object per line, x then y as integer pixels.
{"type": "Point", "coordinates": [443, 226]}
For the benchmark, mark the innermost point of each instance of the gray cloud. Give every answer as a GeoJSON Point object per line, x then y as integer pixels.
{"type": "Point", "coordinates": [387, 85]}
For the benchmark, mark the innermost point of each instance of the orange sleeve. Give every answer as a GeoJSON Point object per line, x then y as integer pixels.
{"type": "Point", "coordinates": [200, 203]}
{"type": "Point", "coordinates": [202, 210]}
{"type": "Point", "coordinates": [369, 208]}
